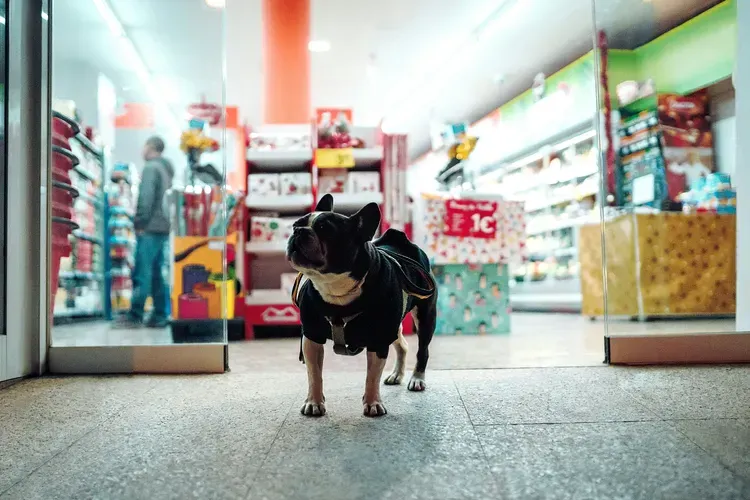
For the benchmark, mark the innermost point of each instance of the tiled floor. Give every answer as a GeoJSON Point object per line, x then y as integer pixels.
{"type": "Point", "coordinates": [577, 432]}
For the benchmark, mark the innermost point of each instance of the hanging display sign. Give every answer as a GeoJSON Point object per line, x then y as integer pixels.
{"type": "Point", "coordinates": [135, 115]}
{"type": "Point", "coordinates": [470, 219]}
{"type": "Point", "coordinates": [334, 158]}
{"type": "Point", "coordinates": [331, 115]}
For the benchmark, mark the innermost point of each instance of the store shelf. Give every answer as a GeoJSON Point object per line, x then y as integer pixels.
{"type": "Point", "coordinates": [84, 236]}
{"type": "Point", "coordinates": [367, 157]}
{"type": "Point", "coordinates": [557, 225]}
{"type": "Point", "coordinates": [351, 202]}
{"type": "Point", "coordinates": [78, 313]}
{"type": "Point", "coordinates": [88, 145]}
{"type": "Point", "coordinates": [298, 203]}
{"type": "Point", "coordinates": [280, 159]}
{"type": "Point", "coordinates": [268, 297]}
{"type": "Point", "coordinates": [551, 202]}
{"type": "Point", "coordinates": [266, 247]}
{"type": "Point", "coordinates": [547, 295]}
{"type": "Point", "coordinates": [85, 174]}
{"type": "Point", "coordinates": [79, 275]}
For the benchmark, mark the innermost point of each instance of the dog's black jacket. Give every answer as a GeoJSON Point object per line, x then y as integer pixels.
{"type": "Point", "coordinates": [382, 306]}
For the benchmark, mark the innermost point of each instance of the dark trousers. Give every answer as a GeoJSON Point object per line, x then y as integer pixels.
{"type": "Point", "coordinates": [148, 278]}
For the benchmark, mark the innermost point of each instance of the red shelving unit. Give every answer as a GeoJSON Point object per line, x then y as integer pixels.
{"type": "Point", "coordinates": [282, 149]}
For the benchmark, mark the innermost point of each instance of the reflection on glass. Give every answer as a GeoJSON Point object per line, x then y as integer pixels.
{"type": "Point", "coordinates": [138, 169]}
{"type": "Point", "coordinates": [670, 222]}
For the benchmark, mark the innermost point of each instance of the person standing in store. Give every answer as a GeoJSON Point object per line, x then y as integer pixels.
{"type": "Point", "coordinates": [152, 235]}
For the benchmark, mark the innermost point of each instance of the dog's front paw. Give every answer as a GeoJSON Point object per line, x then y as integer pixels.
{"type": "Point", "coordinates": [373, 408]}
{"type": "Point", "coordinates": [417, 383]}
{"type": "Point", "coordinates": [313, 408]}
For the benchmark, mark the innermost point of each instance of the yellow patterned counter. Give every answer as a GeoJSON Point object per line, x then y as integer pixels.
{"type": "Point", "coordinates": [687, 265]}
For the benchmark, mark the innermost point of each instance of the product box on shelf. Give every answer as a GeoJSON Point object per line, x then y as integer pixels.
{"type": "Point", "coordinates": [263, 184]}
{"type": "Point", "coordinates": [472, 299]}
{"type": "Point", "coordinates": [270, 228]}
{"type": "Point", "coordinates": [295, 183]}
{"type": "Point", "coordinates": [363, 182]}
{"type": "Point", "coordinates": [332, 181]}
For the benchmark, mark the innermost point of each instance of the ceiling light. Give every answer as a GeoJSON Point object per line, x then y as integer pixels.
{"type": "Point", "coordinates": [319, 46]}
{"type": "Point", "coordinates": [216, 4]}
{"type": "Point", "coordinates": [2, 19]}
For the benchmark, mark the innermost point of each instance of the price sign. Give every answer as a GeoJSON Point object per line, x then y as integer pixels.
{"type": "Point", "coordinates": [470, 218]}
{"type": "Point", "coordinates": [334, 158]}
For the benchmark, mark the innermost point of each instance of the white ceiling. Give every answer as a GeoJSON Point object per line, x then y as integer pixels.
{"type": "Point", "coordinates": [405, 58]}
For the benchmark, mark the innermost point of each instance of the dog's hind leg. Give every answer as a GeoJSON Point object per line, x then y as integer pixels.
{"type": "Point", "coordinates": [402, 347]}
{"type": "Point", "coordinates": [424, 315]}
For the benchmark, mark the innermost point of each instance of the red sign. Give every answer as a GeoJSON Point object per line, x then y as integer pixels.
{"type": "Point", "coordinates": [135, 116]}
{"type": "Point", "coordinates": [332, 114]}
{"type": "Point", "coordinates": [470, 218]}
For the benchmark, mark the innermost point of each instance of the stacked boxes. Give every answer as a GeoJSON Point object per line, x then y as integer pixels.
{"type": "Point", "coordinates": [279, 184]}
{"type": "Point", "coordinates": [472, 299]}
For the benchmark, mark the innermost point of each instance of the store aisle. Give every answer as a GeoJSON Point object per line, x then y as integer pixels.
{"type": "Point", "coordinates": [592, 432]}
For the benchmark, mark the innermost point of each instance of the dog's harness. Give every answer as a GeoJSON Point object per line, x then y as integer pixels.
{"type": "Point", "coordinates": [338, 324]}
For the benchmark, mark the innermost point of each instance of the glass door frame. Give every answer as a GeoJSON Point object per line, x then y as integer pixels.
{"type": "Point", "coordinates": [708, 347]}
{"type": "Point", "coordinates": [167, 358]}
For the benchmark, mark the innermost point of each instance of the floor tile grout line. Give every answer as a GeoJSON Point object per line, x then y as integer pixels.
{"type": "Point", "coordinates": [65, 448]}
{"type": "Point", "coordinates": [270, 446]}
{"type": "Point", "coordinates": [716, 459]}
{"type": "Point", "coordinates": [476, 435]}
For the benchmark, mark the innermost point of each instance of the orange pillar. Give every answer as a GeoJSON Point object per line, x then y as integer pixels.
{"type": "Point", "coordinates": [286, 31]}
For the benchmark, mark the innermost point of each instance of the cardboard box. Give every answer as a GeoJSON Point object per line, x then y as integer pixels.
{"type": "Point", "coordinates": [332, 181]}
{"type": "Point", "coordinates": [263, 184]}
{"type": "Point", "coordinates": [295, 183]}
{"type": "Point", "coordinates": [363, 182]}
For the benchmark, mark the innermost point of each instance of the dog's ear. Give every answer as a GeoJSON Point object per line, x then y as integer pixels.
{"type": "Point", "coordinates": [365, 222]}
{"type": "Point", "coordinates": [325, 204]}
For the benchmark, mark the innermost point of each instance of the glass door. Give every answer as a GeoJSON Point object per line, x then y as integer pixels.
{"type": "Point", "coordinates": [672, 257]}
{"type": "Point", "coordinates": [139, 222]}
{"type": "Point", "coordinates": [3, 183]}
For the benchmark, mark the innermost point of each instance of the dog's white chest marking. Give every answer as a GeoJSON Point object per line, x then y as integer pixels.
{"type": "Point", "coordinates": [337, 289]}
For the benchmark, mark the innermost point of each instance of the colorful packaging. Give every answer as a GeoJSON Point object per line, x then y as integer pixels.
{"type": "Point", "coordinates": [332, 181]}
{"type": "Point", "coordinates": [264, 229]}
{"type": "Point", "coordinates": [363, 182]}
{"type": "Point", "coordinates": [295, 183]}
{"type": "Point", "coordinates": [472, 299]}
{"type": "Point", "coordinates": [263, 184]}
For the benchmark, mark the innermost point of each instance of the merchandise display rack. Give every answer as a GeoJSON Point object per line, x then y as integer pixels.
{"type": "Point", "coordinates": [81, 292]}
{"type": "Point", "coordinates": [559, 185]}
{"type": "Point", "coordinates": [120, 240]}
{"type": "Point", "coordinates": [271, 210]}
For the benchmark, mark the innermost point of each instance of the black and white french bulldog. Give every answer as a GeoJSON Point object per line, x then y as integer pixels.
{"type": "Point", "coordinates": [357, 291]}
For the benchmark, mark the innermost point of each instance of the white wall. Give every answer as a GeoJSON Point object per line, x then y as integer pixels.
{"type": "Point", "coordinates": [742, 173]}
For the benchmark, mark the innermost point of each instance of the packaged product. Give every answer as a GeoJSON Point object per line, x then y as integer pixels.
{"type": "Point", "coordinates": [332, 181]}
{"type": "Point", "coordinates": [295, 183]}
{"type": "Point", "coordinates": [363, 182]}
{"type": "Point", "coordinates": [264, 229]}
{"type": "Point", "coordinates": [263, 184]}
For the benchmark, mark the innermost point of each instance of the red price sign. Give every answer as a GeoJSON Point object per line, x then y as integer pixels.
{"type": "Point", "coordinates": [470, 218]}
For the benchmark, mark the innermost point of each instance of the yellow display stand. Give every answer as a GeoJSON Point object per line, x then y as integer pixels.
{"type": "Point", "coordinates": [666, 264]}
{"type": "Point", "coordinates": [204, 251]}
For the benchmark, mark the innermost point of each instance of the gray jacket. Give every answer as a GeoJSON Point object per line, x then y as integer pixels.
{"type": "Point", "coordinates": [151, 215]}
